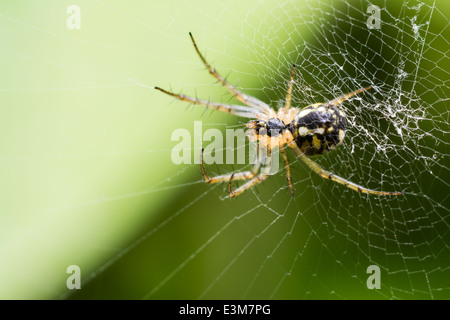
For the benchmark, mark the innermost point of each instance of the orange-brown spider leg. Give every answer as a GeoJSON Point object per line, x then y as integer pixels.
{"type": "Point", "coordinates": [240, 111]}
{"type": "Point", "coordinates": [288, 169]}
{"type": "Point", "coordinates": [245, 175]}
{"type": "Point", "coordinates": [258, 179]}
{"type": "Point", "coordinates": [331, 176]}
{"type": "Point", "coordinates": [248, 100]}
{"type": "Point", "coordinates": [344, 97]}
{"type": "Point", "coordinates": [287, 104]}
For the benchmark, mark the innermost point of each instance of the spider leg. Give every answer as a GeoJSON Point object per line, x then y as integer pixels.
{"type": "Point", "coordinates": [331, 176]}
{"type": "Point", "coordinates": [287, 105]}
{"type": "Point", "coordinates": [344, 97]}
{"type": "Point", "coordinates": [240, 111]}
{"type": "Point", "coordinates": [251, 175]}
{"type": "Point", "coordinates": [288, 169]}
{"type": "Point", "coordinates": [248, 100]}
{"type": "Point", "coordinates": [258, 179]}
{"type": "Point", "coordinates": [245, 175]}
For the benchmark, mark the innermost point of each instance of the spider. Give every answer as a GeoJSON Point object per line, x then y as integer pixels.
{"type": "Point", "coordinates": [314, 130]}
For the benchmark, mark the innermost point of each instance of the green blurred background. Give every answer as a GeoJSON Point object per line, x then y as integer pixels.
{"type": "Point", "coordinates": [87, 177]}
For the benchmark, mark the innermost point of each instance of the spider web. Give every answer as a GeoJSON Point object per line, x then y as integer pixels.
{"type": "Point", "coordinates": [266, 244]}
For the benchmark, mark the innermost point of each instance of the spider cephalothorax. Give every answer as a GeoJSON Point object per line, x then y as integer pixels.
{"type": "Point", "coordinates": [313, 130]}
{"type": "Point", "coordinates": [275, 127]}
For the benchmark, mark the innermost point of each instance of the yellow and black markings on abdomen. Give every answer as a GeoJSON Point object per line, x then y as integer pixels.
{"type": "Point", "coordinates": [318, 128]}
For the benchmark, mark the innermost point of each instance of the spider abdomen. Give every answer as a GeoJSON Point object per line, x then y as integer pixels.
{"type": "Point", "coordinates": [318, 128]}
